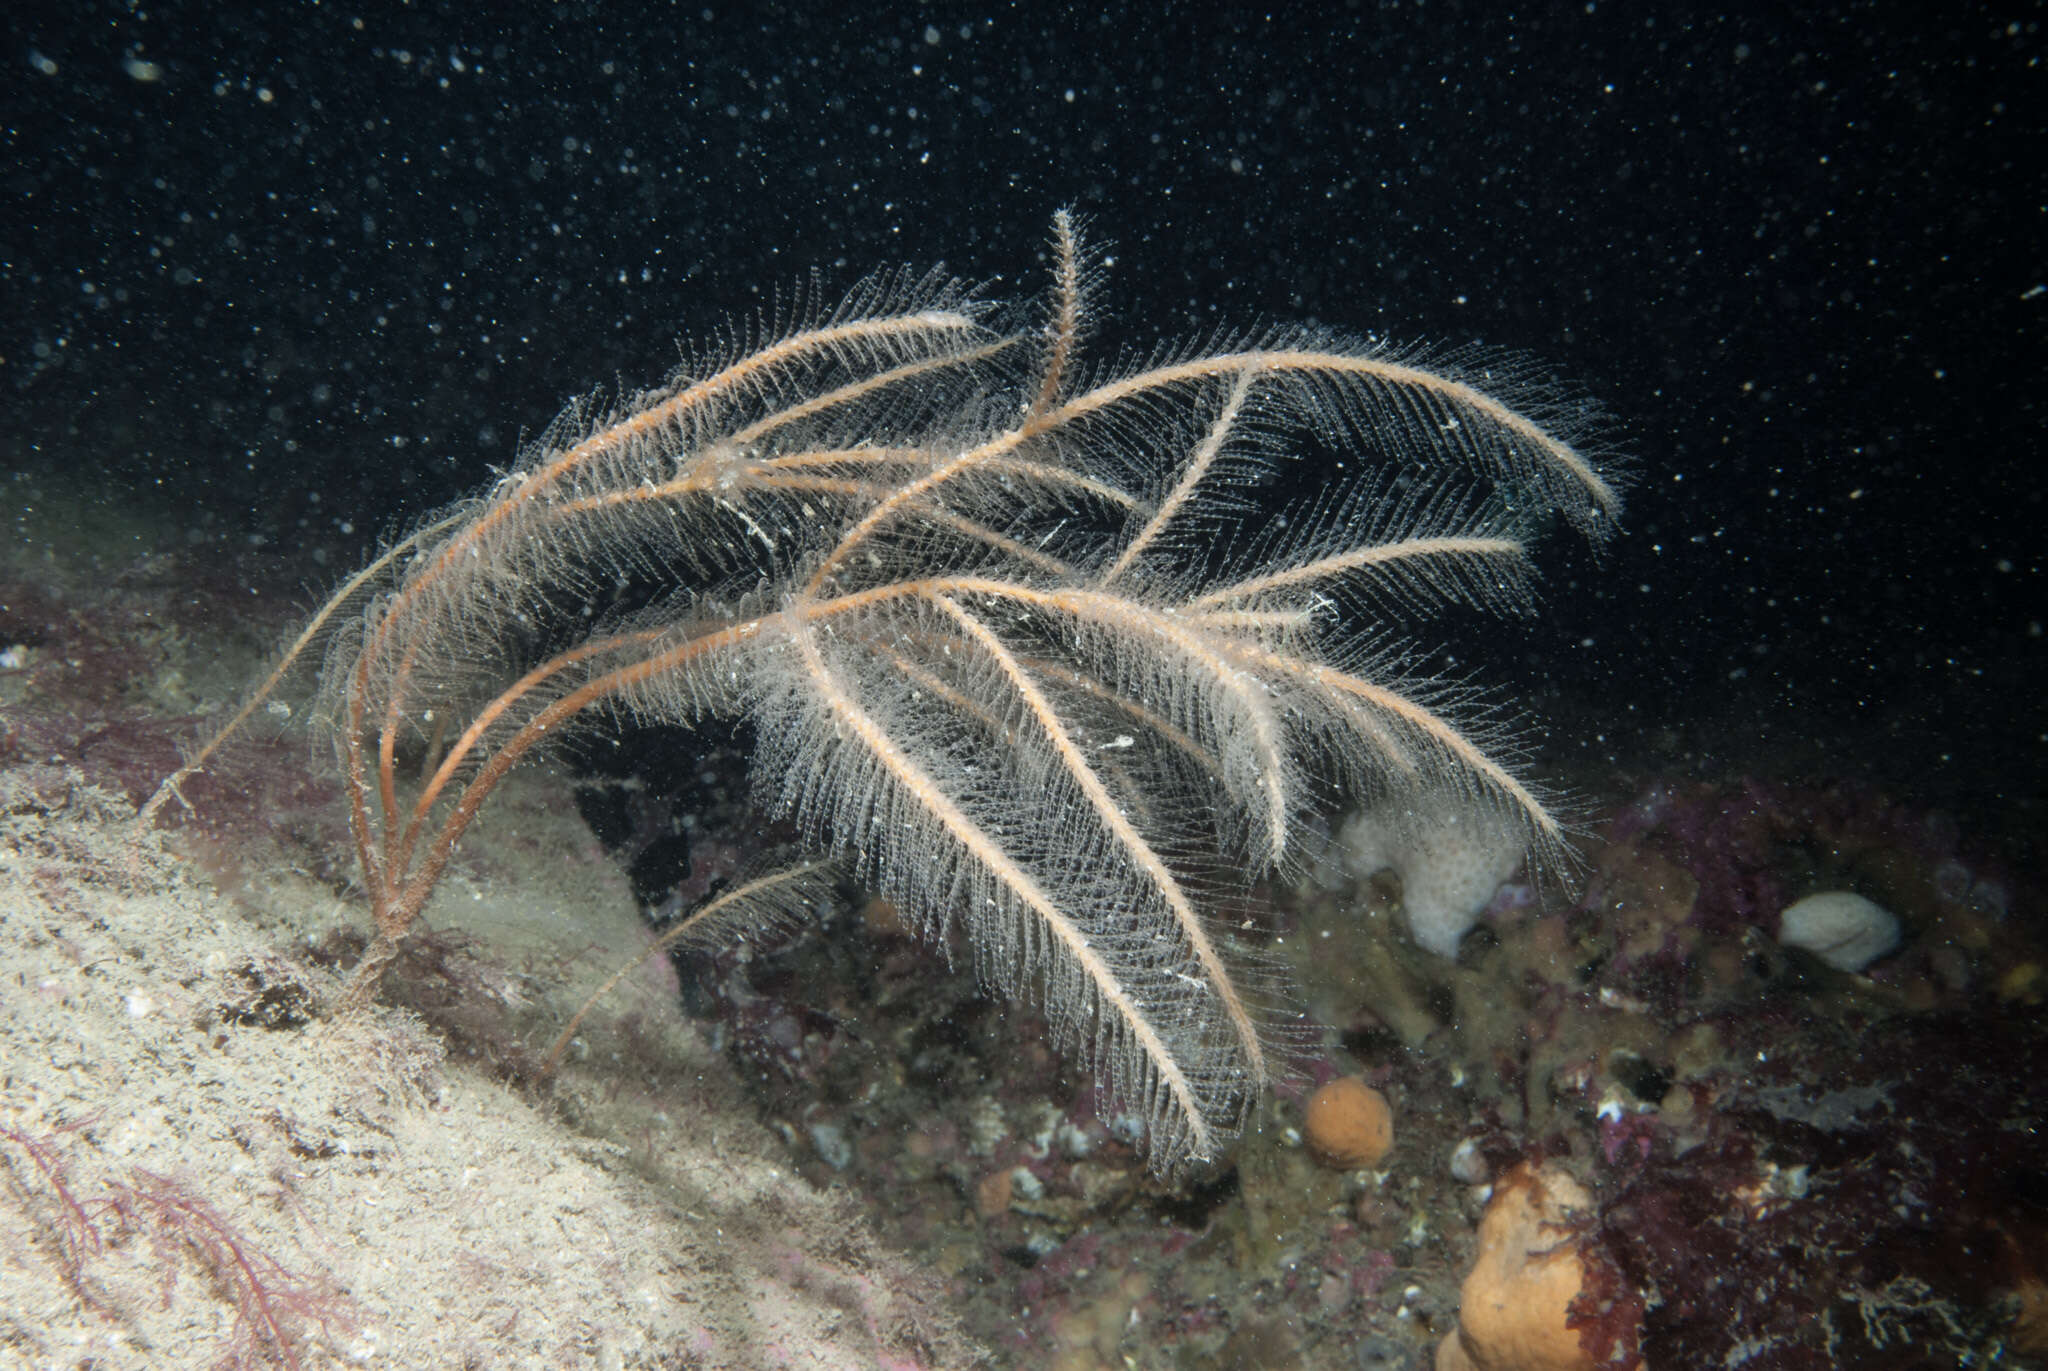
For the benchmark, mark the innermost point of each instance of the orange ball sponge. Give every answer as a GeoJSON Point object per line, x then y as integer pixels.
{"type": "Point", "coordinates": [1348, 1124]}
{"type": "Point", "coordinates": [1512, 1310]}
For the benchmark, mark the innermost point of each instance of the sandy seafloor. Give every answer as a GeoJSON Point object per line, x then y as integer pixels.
{"type": "Point", "coordinates": [396, 1193]}
{"type": "Point", "coordinates": [844, 1156]}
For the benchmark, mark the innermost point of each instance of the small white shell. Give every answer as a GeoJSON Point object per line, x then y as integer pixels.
{"type": "Point", "coordinates": [1844, 930]}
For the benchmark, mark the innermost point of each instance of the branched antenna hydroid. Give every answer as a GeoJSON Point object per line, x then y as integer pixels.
{"type": "Point", "coordinates": [977, 603]}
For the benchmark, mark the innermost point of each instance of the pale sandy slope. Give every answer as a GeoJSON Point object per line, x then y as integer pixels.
{"type": "Point", "coordinates": [362, 1171]}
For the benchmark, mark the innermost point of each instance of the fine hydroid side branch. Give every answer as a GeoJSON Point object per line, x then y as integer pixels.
{"type": "Point", "coordinates": [1063, 330]}
{"type": "Point", "coordinates": [287, 662]}
{"type": "Point", "coordinates": [759, 906]}
{"type": "Point", "coordinates": [1022, 647]}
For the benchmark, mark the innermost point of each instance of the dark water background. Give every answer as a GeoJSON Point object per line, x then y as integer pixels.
{"type": "Point", "coordinates": [295, 273]}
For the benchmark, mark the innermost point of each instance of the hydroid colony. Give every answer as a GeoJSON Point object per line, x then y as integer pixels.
{"type": "Point", "coordinates": [980, 606]}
